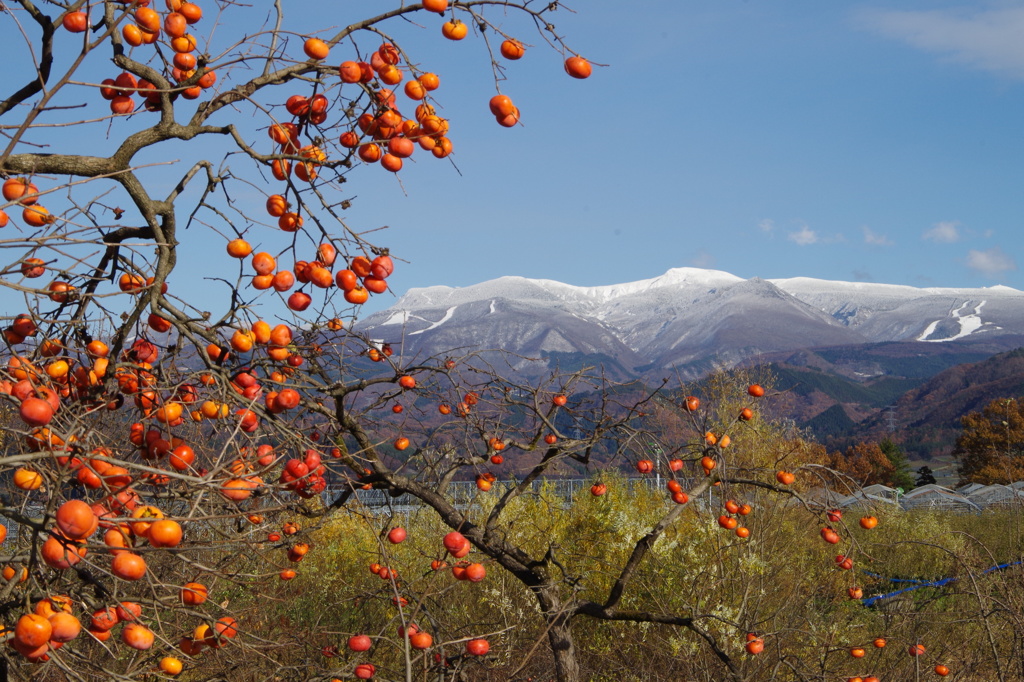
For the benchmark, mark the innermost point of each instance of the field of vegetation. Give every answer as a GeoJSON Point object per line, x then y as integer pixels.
{"type": "Point", "coordinates": [781, 584]}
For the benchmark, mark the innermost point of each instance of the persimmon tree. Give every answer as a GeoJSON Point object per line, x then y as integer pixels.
{"type": "Point", "coordinates": [169, 456]}
{"type": "Point", "coordinates": [146, 421]}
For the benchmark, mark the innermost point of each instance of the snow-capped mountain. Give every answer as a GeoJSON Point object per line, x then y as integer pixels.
{"type": "Point", "coordinates": [687, 319]}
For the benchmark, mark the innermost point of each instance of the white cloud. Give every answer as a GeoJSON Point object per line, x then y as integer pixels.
{"type": "Point", "coordinates": [875, 239]}
{"type": "Point", "coordinates": [943, 233]}
{"type": "Point", "coordinates": [702, 259]}
{"type": "Point", "coordinates": [803, 236]}
{"type": "Point", "coordinates": [988, 39]}
{"type": "Point", "coordinates": [766, 225]}
{"type": "Point", "coordinates": [991, 262]}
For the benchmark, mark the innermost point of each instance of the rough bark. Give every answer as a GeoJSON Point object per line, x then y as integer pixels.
{"type": "Point", "coordinates": [558, 617]}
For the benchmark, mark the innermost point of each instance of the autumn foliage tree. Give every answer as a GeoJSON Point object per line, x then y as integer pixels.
{"type": "Point", "coordinates": [872, 463]}
{"type": "Point", "coordinates": [991, 447]}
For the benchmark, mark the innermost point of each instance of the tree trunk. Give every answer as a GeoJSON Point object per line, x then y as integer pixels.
{"type": "Point", "coordinates": [558, 619]}
{"type": "Point", "coordinates": [567, 667]}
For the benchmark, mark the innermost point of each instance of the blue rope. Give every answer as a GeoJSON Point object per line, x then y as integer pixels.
{"type": "Point", "coordinates": [918, 584]}
{"type": "Point", "coordinates": [894, 580]}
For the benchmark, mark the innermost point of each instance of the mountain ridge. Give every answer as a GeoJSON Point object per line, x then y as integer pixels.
{"type": "Point", "coordinates": [690, 319]}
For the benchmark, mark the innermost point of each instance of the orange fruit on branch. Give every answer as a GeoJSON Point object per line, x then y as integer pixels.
{"type": "Point", "coordinates": [193, 594]}
{"type": "Point", "coordinates": [316, 48]}
{"type": "Point", "coordinates": [512, 49]}
{"type": "Point", "coordinates": [577, 67]}
{"type": "Point", "coordinates": [128, 566]}
{"type": "Point", "coordinates": [454, 30]}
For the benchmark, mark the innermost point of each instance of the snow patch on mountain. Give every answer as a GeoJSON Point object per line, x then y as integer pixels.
{"type": "Point", "coordinates": [929, 330]}
{"type": "Point", "coordinates": [447, 316]}
{"type": "Point", "coordinates": [968, 324]}
{"type": "Point", "coordinates": [397, 317]}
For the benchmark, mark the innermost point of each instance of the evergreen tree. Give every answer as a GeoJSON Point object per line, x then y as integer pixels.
{"type": "Point", "coordinates": [901, 476]}
{"type": "Point", "coordinates": [925, 476]}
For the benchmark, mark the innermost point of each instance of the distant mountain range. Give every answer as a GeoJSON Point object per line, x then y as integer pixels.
{"type": "Point", "coordinates": [925, 418]}
{"type": "Point", "coordinates": [843, 350]}
{"type": "Point", "coordinates": [688, 320]}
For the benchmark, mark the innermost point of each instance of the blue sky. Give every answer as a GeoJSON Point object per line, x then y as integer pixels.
{"type": "Point", "coordinates": [862, 142]}
{"type": "Point", "coordinates": [856, 141]}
